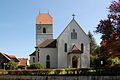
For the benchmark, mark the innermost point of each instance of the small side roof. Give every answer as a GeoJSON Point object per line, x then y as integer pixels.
{"type": "Point", "coordinates": [33, 54]}
{"type": "Point", "coordinates": [75, 49]}
{"type": "Point", "coordinates": [48, 43]}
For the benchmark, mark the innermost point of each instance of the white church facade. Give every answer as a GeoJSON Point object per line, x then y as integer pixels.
{"type": "Point", "coordinates": [70, 50]}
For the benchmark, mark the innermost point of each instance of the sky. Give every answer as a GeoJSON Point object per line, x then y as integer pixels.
{"type": "Point", "coordinates": [18, 20]}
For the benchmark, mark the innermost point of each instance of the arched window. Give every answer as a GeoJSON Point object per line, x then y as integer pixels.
{"type": "Point", "coordinates": [44, 30]}
{"type": "Point", "coordinates": [73, 34]}
{"type": "Point", "coordinates": [33, 59]}
{"type": "Point", "coordinates": [65, 47]}
{"type": "Point", "coordinates": [73, 30]}
{"type": "Point", "coordinates": [38, 56]}
{"type": "Point", "coordinates": [47, 61]}
{"type": "Point", "coordinates": [47, 57]}
{"type": "Point", "coordinates": [82, 47]}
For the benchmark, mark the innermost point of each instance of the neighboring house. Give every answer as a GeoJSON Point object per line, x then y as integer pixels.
{"type": "Point", "coordinates": [4, 58]}
{"type": "Point", "coordinates": [23, 63]}
{"type": "Point", "coordinates": [70, 50]}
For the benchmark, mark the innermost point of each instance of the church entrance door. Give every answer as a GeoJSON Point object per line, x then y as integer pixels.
{"type": "Point", "coordinates": [74, 62]}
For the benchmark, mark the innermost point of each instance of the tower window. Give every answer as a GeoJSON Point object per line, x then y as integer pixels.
{"type": "Point", "coordinates": [44, 30]}
{"type": "Point", "coordinates": [82, 47]}
{"type": "Point", "coordinates": [47, 61]}
{"type": "Point", "coordinates": [73, 34]}
{"type": "Point", "coordinates": [65, 47]}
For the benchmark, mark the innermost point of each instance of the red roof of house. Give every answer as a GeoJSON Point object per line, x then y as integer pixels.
{"type": "Point", "coordinates": [22, 61]}
{"type": "Point", "coordinates": [43, 19]}
{"type": "Point", "coordinates": [9, 57]}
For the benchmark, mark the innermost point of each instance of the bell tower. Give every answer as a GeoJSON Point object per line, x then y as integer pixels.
{"type": "Point", "coordinates": [44, 27]}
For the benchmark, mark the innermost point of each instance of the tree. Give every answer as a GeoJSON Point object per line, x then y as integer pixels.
{"type": "Point", "coordinates": [12, 65]}
{"type": "Point", "coordinates": [110, 30]}
{"type": "Point", "coordinates": [94, 50]}
{"type": "Point", "coordinates": [35, 66]}
{"type": "Point", "coordinates": [92, 40]}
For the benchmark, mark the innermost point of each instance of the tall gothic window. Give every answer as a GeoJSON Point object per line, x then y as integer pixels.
{"type": "Point", "coordinates": [38, 55]}
{"type": "Point", "coordinates": [44, 30]}
{"type": "Point", "coordinates": [73, 34]}
{"type": "Point", "coordinates": [82, 47]}
{"type": "Point", "coordinates": [65, 47]}
{"type": "Point", "coordinates": [47, 61]}
{"type": "Point", "coordinates": [33, 60]}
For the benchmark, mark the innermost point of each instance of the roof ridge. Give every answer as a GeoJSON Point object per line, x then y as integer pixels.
{"type": "Point", "coordinates": [5, 55]}
{"type": "Point", "coordinates": [75, 46]}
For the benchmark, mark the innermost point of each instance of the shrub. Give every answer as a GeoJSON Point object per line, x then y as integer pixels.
{"type": "Point", "coordinates": [35, 66]}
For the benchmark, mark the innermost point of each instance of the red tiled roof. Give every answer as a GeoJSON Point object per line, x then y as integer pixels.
{"type": "Point", "coordinates": [22, 61]}
{"type": "Point", "coordinates": [43, 19]}
{"type": "Point", "coordinates": [11, 57]}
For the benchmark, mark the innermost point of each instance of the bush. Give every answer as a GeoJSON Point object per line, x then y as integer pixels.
{"type": "Point", "coordinates": [35, 66]}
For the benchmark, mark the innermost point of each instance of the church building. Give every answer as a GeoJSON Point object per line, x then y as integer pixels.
{"type": "Point", "coordinates": [71, 49]}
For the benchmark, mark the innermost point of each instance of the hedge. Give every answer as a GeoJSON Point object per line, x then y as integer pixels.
{"type": "Point", "coordinates": [84, 72]}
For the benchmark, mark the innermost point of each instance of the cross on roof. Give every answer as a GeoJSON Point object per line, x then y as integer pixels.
{"type": "Point", "coordinates": [73, 16]}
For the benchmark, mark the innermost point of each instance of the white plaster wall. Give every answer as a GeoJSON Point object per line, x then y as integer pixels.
{"type": "Point", "coordinates": [42, 37]}
{"type": "Point", "coordinates": [39, 28]}
{"type": "Point", "coordinates": [31, 59]}
{"type": "Point", "coordinates": [85, 57]}
{"type": "Point", "coordinates": [52, 52]}
{"type": "Point", "coordinates": [65, 37]}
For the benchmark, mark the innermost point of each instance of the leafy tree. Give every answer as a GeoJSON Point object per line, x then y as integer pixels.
{"type": "Point", "coordinates": [11, 65]}
{"type": "Point", "coordinates": [93, 42]}
{"type": "Point", "coordinates": [35, 66]}
{"type": "Point", "coordinates": [94, 50]}
{"type": "Point", "coordinates": [110, 30]}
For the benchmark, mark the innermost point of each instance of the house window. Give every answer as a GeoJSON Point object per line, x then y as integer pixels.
{"type": "Point", "coordinates": [73, 34]}
{"type": "Point", "coordinates": [47, 61]}
{"type": "Point", "coordinates": [65, 47]}
{"type": "Point", "coordinates": [44, 30]}
{"type": "Point", "coordinates": [82, 47]}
